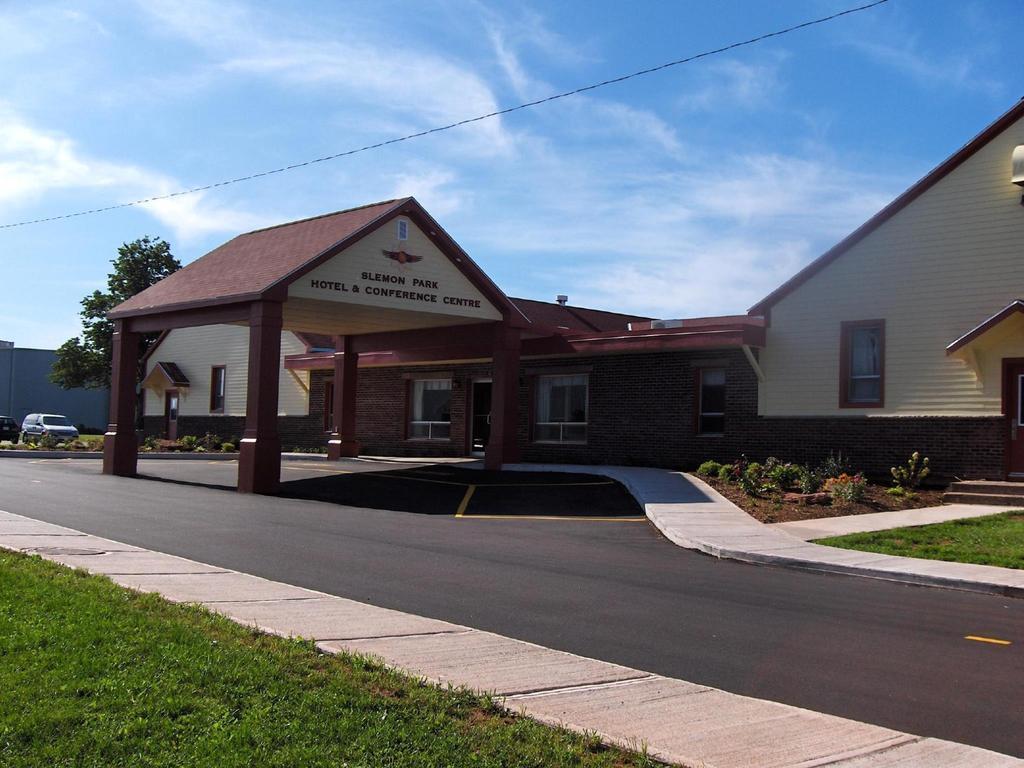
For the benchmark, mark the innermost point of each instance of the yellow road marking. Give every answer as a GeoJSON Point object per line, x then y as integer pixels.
{"type": "Point", "coordinates": [385, 476]}
{"type": "Point", "coordinates": [556, 517]}
{"type": "Point", "coordinates": [992, 640]}
{"type": "Point", "coordinates": [465, 501]}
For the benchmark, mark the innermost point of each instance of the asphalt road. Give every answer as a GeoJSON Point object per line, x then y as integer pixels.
{"type": "Point", "coordinates": [884, 653]}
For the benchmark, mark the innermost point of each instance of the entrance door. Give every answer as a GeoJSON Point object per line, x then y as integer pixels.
{"type": "Point", "coordinates": [1014, 399]}
{"type": "Point", "coordinates": [481, 415]}
{"type": "Point", "coordinates": [171, 414]}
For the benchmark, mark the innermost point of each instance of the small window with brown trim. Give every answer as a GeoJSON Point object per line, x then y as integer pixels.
{"type": "Point", "coordinates": [218, 388]}
{"type": "Point", "coordinates": [711, 401]}
{"type": "Point", "coordinates": [862, 364]}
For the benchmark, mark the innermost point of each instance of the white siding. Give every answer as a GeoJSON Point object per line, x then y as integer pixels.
{"type": "Point", "coordinates": [942, 265]}
{"type": "Point", "coordinates": [197, 350]}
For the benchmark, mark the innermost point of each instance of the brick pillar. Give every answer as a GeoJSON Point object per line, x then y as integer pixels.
{"type": "Point", "coordinates": [502, 446]}
{"type": "Point", "coordinates": [343, 440]}
{"type": "Point", "coordinates": [120, 447]}
{"type": "Point", "coordinates": [259, 460]}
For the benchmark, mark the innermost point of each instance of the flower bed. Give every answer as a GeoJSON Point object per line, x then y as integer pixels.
{"type": "Point", "coordinates": [777, 492]}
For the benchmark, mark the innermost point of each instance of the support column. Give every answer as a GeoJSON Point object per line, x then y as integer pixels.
{"type": "Point", "coordinates": [503, 447]}
{"type": "Point", "coordinates": [259, 460]}
{"type": "Point", "coordinates": [120, 446]}
{"type": "Point", "coordinates": [342, 442]}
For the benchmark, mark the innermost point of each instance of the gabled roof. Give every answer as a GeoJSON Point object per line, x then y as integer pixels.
{"type": "Point", "coordinates": [172, 375]}
{"type": "Point", "coordinates": [262, 263]}
{"type": "Point", "coordinates": [250, 264]}
{"type": "Point", "coordinates": [1015, 306]}
{"type": "Point", "coordinates": [897, 205]}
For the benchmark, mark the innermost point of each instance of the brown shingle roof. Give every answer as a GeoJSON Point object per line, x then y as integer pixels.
{"type": "Point", "coordinates": [574, 318]}
{"type": "Point", "coordinates": [251, 263]}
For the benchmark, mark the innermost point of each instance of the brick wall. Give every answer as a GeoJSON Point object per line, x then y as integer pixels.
{"type": "Point", "coordinates": [642, 412]}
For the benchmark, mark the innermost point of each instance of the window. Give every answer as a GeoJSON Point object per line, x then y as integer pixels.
{"type": "Point", "coordinates": [711, 401]}
{"type": "Point", "coordinates": [403, 229]}
{"type": "Point", "coordinates": [862, 364]}
{"type": "Point", "coordinates": [561, 409]}
{"type": "Point", "coordinates": [218, 388]}
{"type": "Point", "coordinates": [328, 405]}
{"type": "Point", "coordinates": [431, 409]}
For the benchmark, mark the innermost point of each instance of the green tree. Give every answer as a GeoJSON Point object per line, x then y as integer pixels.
{"type": "Point", "coordinates": [84, 361]}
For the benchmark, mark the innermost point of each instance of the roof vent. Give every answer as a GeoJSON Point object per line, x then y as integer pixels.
{"type": "Point", "coordinates": [562, 299]}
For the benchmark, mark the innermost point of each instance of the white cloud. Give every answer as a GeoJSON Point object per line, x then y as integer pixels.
{"type": "Point", "coordinates": [735, 84]}
{"type": "Point", "coordinates": [432, 188]}
{"type": "Point", "coordinates": [401, 78]}
{"type": "Point", "coordinates": [932, 71]}
{"type": "Point", "coordinates": [35, 162]}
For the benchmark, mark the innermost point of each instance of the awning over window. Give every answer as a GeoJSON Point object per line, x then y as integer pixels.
{"type": "Point", "coordinates": [166, 376]}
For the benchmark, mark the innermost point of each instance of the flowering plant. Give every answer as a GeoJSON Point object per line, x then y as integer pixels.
{"type": "Point", "coordinates": [846, 488]}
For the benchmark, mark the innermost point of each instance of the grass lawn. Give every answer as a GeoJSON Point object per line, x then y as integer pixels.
{"type": "Point", "coordinates": [95, 675]}
{"type": "Point", "coordinates": [990, 540]}
{"type": "Point", "coordinates": [92, 439]}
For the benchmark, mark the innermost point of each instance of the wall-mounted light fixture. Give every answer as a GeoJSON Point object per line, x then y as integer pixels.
{"type": "Point", "coordinates": [1017, 172]}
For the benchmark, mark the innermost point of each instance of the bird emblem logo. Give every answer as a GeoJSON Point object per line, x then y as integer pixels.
{"type": "Point", "coordinates": [402, 257]}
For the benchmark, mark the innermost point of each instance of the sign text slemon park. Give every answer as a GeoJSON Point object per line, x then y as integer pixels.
{"type": "Point", "coordinates": [413, 275]}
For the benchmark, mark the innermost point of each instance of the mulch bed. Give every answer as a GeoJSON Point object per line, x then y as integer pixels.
{"type": "Point", "coordinates": [772, 509]}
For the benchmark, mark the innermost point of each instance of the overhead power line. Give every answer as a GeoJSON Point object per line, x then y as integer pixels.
{"type": "Point", "coordinates": [467, 121]}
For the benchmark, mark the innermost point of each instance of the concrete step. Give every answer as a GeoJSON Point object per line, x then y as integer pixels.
{"type": "Point", "coordinates": [998, 499]}
{"type": "Point", "coordinates": [999, 487]}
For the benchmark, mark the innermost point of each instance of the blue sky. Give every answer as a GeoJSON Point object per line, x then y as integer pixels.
{"type": "Point", "coordinates": [690, 192]}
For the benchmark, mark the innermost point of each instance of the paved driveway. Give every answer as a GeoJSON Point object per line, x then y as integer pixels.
{"type": "Point", "coordinates": [873, 651]}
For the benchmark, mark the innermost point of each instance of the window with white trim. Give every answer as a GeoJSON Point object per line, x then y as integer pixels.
{"type": "Point", "coordinates": [561, 409]}
{"type": "Point", "coordinates": [711, 402]}
{"type": "Point", "coordinates": [431, 409]}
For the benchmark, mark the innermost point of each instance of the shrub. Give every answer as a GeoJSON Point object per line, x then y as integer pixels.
{"type": "Point", "coordinates": [835, 465]}
{"type": "Point", "coordinates": [753, 481]}
{"type": "Point", "coordinates": [149, 444]}
{"type": "Point", "coordinates": [227, 447]}
{"type": "Point", "coordinates": [808, 479]}
{"type": "Point", "coordinates": [47, 442]}
{"type": "Point", "coordinates": [211, 442]}
{"type": "Point", "coordinates": [910, 475]}
{"type": "Point", "coordinates": [900, 493]}
{"type": "Point", "coordinates": [725, 473]}
{"type": "Point", "coordinates": [709, 469]}
{"type": "Point", "coordinates": [846, 489]}
{"type": "Point", "coordinates": [782, 476]}
{"type": "Point", "coordinates": [188, 442]}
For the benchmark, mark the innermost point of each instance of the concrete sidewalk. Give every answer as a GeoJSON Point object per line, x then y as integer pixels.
{"type": "Point", "coordinates": [674, 720]}
{"type": "Point", "coordinates": [692, 514]}
{"type": "Point", "coordinates": [808, 530]}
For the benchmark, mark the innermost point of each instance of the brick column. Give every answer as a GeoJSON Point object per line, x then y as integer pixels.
{"type": "Point", "coordinates": [259, 461]}
{"type": "Point", "coordinates": [502, 447]}
{"type": "Point", "coordinates": [343, 441]}
{"type": "Point", "coordinates": [120, 447]}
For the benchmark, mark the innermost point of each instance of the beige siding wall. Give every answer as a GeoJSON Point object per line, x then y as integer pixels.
{"type": "Point", "coordinates": [197, 350]}
{"type": "Point", "coordinates": [946, 262]}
